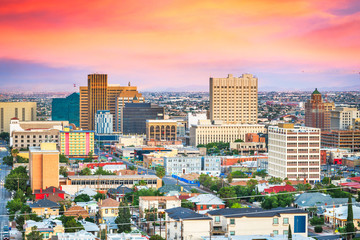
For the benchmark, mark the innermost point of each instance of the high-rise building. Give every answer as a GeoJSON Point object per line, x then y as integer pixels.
{"type": "Point", "coordinates": [76, 143]}
{"type": "Point", "coordinates": [294, 152]}
{"type": "Point", "coordinates": [317, 112]}
{"type": "Point", "coordinates": [346, 139]}
{"type": "Point", "coordinates": [342, 118]}
{"type": "Point", "coordinates": [234, 100]}
{"type": "Point", "coordinates": [67, 109]}
{"type": "Point", "coordinates": [99, 95]}
{"type": "Point", "coordinates": [103, 122]}
{"type": "Point", "coordinates": [121, 100]}
{"type": "Point", "coordinates": [44, 166]}
{"type": "Point", "coordinates": [136, 114]}
{"type": "Point", "coordinates": [24, 111]}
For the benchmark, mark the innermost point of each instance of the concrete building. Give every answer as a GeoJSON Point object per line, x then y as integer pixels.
{"type": "Point", "coordinates": [66, 109]}
{"type": "Point", "coordinates": [247, 221]}
{"type": "Point", "coordinates": [103, 122]}
{"type": "Point", "coordinates": [157, 202]}
{"type": "Point", "coordinates": [80, 235]}
{"type": "Point", "coordinates": [76, 143]}
{"type": "Point", "coordinates": [207, 202]}
{"type": "Point", "coordinates": [294, 152]}
{"type": "Point", "coordinates": [342, 117]}
{"type": "Point", "coordinates": [349, 139]}
{"type": "Point", "coordinates": [131, 140]}
{"type": "Point", "coordinates": [32, 133]}
{"type": "Point", "coordinates": [99, 95]}
{"type": "Point", "coordinates": [317, 112]}
{"type": "Point", "coordinates": [121, 100]}
{"type": "Point", "coordinates": [205, 132]}
{"type": "Point", "coordinates": [234, 100]}
{"type": "Point", "coordinates": [24, 111]}
{"type": "Point", "coordinates": [47, 227]}
{"type": "Point", "coordinates": [193, 119]}
{"type": "Point", "coordinates": [184, 165]}
{"type": "Point", "coordinates": [44, 166]}
{"type": "Point", "coordinates": [161, 130]}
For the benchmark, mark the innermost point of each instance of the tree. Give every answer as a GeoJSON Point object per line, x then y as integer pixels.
{"type": "Point", "coordinates": [239, 140]}
{"type": "Point", "coordinates": [70, 224]}
{"type": "Point", "coordinates": [289, 233]}
{"type": "Point", "coordinates": [229, 178]}
{"type": "Point", "coordinates": [90, 157]}
{"type": "Point", "coordinates": [85, 171]}
{"type": "Point", "coordinates": [160, 171]}
{"type": "Point", "coordinates": [349, 227]}
{"type": "Point", "coordinates": [194, 190]}
{"type": "Point", "coordinates": [82, 198]}
{"type": "Point", "coordinates": [17, 179]}
{"type": "Point", "coordinates": [34, 234]}
{"type": "Point", "coordinates": [101, 171]}
{"type": "Point", "coordinates": [261, 173]}
{"type": "Point", "coordinates": [99, 196]}
{"type": "Point", "coordinates": [227, 193]}
{"type": "Point", "coordinates": [315, 221]}
{"type": "Point", "coordinates": [274, 180]}
{"type": "Point", "coordinates": [123, 219]}
{"type": "Point", "coordinates": [187, 204]}
{"type": "Point", "coordinates": [326, 180]}
{"type": "Point", "coordinates": [5, 136]}
{"type": "Point", "coordinates": [156, 237]}
{"type": "Point", "coordinates": [237, 205]}
{"type": "Point", "coordinates": [14, 153]}
{"type": "Point", "coordinates": [239, 174]}
{"type": "Point", "coordinates": [274, 201]}
{"type": "Point", "coordinates": [252, 183]}
{"type": "Point", "coordinates": [63, 171]}
{"type": "Point", "coordinates": [63, 158]}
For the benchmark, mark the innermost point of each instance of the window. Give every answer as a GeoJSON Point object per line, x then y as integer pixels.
{"type": "Point", "coordinates": [276, 232]}
{"type": "Point", "coordinates": [285, 232]}
{"type": "Point", "coordinates": [232, 221]}
{"type": "Point", "coordinates": [286, 220]}
{"type": "Point", "coordinates": [275, 221]}
{"type": "Point", "coordinates": [217, 219]}
{"type": "Point", "coordinates": [232, 233]}
{"type": "Point", "coordinates": [112, 210]}
{"type": "Point", "coordinates": [106, 211]}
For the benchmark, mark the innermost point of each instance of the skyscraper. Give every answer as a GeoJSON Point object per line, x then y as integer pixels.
{"type": "Point", "coordinates": [234, 100]}
{"type": "Point", "coordinates": [24, 111]}
{"type": "Point", "coordinates": [66, 109]}
{"type": "Point", "coordinates": [99, 95]}
{"type": "Point", "coordinates": [103, 122]}
{"type": "Point", "coordinates": [317, 112]}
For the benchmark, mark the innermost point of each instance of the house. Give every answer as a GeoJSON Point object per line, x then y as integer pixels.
{"type": "Point", "coordinates": [277, 189]}
{"type": "Point", "coordinates": [184, 223]}
{"type": "Point", "coordinates": [108, 208]}
{"type": "Point", "coordinates": [207, 201]}
{"type": "Point", "coordinates": [185, 196]}
{"type": "Point", "coordinates": [133, 235]}
{"type": "Point", "coordinates": [91, 207]}
{"type": "Point", "coordinates": [41, 193]}
{"type": "Point", "coordinates": [158, 202]}
{"type": "Point", "coordinates": [119, 192]}
{"type": "Point", "coordinates": [81, 235]}
{"type": "Point", "coordinates": [91, 228]}
{"type": "Point", "coordinates": [76, 211]}
{"type": "Point", "coordinates": [340, 215]}
{"type": "Point", "coordinates": [45, 207]}
{"type": "Point", "coordinates": [87, 191]}
{"type": "Point", "coordinates": [170, 187]}
{"type": "Point", "coordinates": [47, 227]}
{"type": "Point", "coordinates": [247, 221]}
{"type": "Point", "coordinates": [257, 237]}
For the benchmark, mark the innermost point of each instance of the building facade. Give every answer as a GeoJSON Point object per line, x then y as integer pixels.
{"type": "Point", "coordinates": [317, 112]}
{"type": "Point", "coordinates": [185, 165]}
{"type": "Point", "coordinates": [66, 109]}
{"type": "Point", "coordinates": [44, 166]}
{"type": "Point", "coordinates": [161, 130]}
{"type": "Point", "coordinates": [349, 139]}
{"type": "Point", "coordinates": [75, 143]}
{"type": "Point", "coordinates": [205, 132]}
{"type": "Point", "coordinates": [234, 100]}
{"type": "Point", "coordinates": [24, 111]}
{"type": "Point", "coordinates": [121, 100]}
{"type": "Point", "coordinates": [294, 152]}
{"type": "Point", "coordinates": [342, 118]}
{"type": "Point", "coordinates": [103, 122]}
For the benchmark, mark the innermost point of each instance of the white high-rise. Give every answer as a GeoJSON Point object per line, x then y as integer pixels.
{"type": "Point", "coordinates": [103, 122]}
{"type": "Point", "coordinates": [342, 117]}
{"type": "Point", "coordinates": [294, 152]}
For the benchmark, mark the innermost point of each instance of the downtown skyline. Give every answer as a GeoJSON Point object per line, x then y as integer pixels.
{"type": "Point", "coordinates": [178, 45]}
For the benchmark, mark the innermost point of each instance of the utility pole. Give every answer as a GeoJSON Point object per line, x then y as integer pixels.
{"type": "Point", "coordinates": [182, 230]}
{"type": "Point", "coordinates": [210, 229]}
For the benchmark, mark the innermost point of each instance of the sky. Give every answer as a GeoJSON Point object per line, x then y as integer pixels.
{"type": "Point", "coordinates": [177, 45]}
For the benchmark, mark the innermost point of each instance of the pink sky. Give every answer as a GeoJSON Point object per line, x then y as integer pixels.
{"type": "Point", "coordinates": [173, 44]}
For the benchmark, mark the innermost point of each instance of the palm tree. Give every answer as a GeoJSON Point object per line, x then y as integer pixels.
{"type": "Point", "coordinates": [14, 153]}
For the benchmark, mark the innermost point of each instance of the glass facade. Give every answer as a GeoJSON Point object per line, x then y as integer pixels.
{"type": "Point", "coordinates": [66, 109]}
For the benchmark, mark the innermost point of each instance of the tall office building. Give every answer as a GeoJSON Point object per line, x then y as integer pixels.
{"type": "Point", "coordinates": [103, 122]}
{"type": "Point", "coordinates": [294, 152]}
{"type": "Point", "coordinates": [317, 112]}
{"type": "Point", "coordinates": [66, 109]}
{"type": "Point", "coordinates": [343, 118]}
{"type": "Point", "coordinates": [99, 95]}
{"type": "Point", "coordinates": [24, 111]}
{"type": "Point", "coordinates": [121, 100]}
{"type": "Point", "coordinates": [44, 166]}
{"type": "Point", "coordinates": [234, 100]}
{"type": "Point", "coordinates": [136, 114]}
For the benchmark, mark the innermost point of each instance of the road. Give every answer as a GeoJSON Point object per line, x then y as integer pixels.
{"type": "Point", "coordinates": [5, 195]}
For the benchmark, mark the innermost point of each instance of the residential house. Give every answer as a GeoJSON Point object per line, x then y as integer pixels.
{"type": "Point", "coordinates": [91, 228]}
{"type": "Point", "coordinates": [277, 189]}
{"type": "Point", "coordinates": [119, 192]}
{"type": "Point", "coordinates": [247, 221]}
{"type": "Point", "coordinates": [91, 207]}
{"type": "Point", "coordinates": [47, 227]}
{"type": "Point", "coordinates": [41, 193]}
{"type": "Point", "coordinates": [108, 208]}
{"type": "Point", "coordinates": [76, 211]}
{"type": "Point", "coordinates": [81, 235]}
{"type": "Point", "coordinates": [158, 202]}
{"type": "Point", "coordinates": [207, 202]}
{"type": "Point", "coordinates": [87, 191]}
{"type": "Point", "coordinates": [185, 224]}
{"type": "Point", "coordinates": [340, 215]}
{"type": "Point", "coordinates": [170, 187]}
{"type": "Point", "coordinates": [45, 207]}
{"type": "Point", "coordinates": [133, 235]}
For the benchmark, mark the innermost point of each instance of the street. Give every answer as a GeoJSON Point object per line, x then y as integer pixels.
{"type": "Point", "coordinates": [5, 195]}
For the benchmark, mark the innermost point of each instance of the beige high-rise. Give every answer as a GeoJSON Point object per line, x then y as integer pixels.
{"type": "Point", "coordinates": [234, 99]}
{"type": "Point", "coordinates": [24, 111]}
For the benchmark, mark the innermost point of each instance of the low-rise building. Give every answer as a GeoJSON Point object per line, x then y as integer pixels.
{"type": "Point", "coordinates": [76, 212]}
{"type": "Point", "coordinates": [91, 207]}
{"type": "Point", "coordinates": [339, 215]}
{"type": "Point", "coordinates": [349, 139]}
{"type": "Point", "coordinates": [183, 165]}
{"type": "Point", "coordinates": [81, 235]}
{"type": "Point", "coordinates": [108, 208]}
{"type": "Point", "coordinates": [47, 227]}
{"type": "Point", "coordinates": [42, 193]}
{"type": "Point", "coordinates": [131, 140]}
{"type": "Point", "coordinates": [119, 192]}
{"type": "Point", "coordinates": [207, 202]}
{"type": "Point", "coordinates": [45, 207]}
{"type": "Point", "coordinates": [158, 202]}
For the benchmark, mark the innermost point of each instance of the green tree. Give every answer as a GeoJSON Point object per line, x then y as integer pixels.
{"type": "Point", "coordinates": [239, 174]}
{"type": "Point", "coordinates": [187, 204]}
{"type": "Point", "coordinates": [85, 171]}
{"type": "Point", "coordinates": [70, 224]}
{"type": "Point", "coordinates": [123, 219]}
{"type": "Point", "coordinates": [63, 171]}
{"type": "Point", "coordinates": [5, 136]}
{"type": "Point", "coordinates": [252, 183]}
{"type": "Point", "coordinates": [99, 196]}
{"type": "Point", "coordinates": [239, 140]}
{"type": "Point", "coordinates": [82, 198]}
{"type": "Point", "coordinates": [261, 173]}
{"type": "Point", "coordinates": [274, 180]}
{"type": "Point", "coordinates": [14, 153]}
{"type": "Point", "coordinates": [229, 178]}
{"type": "Point", "coordinates": [274, 201]}
{"type": "Point", "coordinates": [90, 157]}
{"type": "Point", "coordinates": [160, 172]}
{"type": "Point", "coordinates": [227, 193]}
{"type": "Point", "coordinates": [237, 205]}
{"type": "Point", "coordinates": [17, 179]}
{"type": "Point", "coordinates": [101, 171]}
{"type": "Point", "coordinates": [156, 237]}
{"type": "Point", "coordinates": [34, 234]}
{"type": "Point", "coordinates": [349, 227]}
{"type": "Point", "coordinates": [326, 180]}
{"type": "Point", "coordinates": [194, 190]}
{"type": "Point", "coordinates": [315, 221]}
{"type": "Point", "coordinates": [289, 233]}
{"type": "Point", "coordinates": [63, 159]}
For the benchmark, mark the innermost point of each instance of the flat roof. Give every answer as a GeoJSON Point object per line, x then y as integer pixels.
{"type": "Point", "coordinates": [112, 177]}
{"type": "Point", "coordinates": [38, 149]}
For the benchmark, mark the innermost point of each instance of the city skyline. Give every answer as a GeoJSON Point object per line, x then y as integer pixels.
{"type": "Point", "coordinates": [178, 45]}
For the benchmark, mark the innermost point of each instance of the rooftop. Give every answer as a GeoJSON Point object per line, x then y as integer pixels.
{"type": "Point", "coordinates": [206, 199]}
{"type": "Point", "coordinates": [254, 212]}
{"type": "Point", "coordinates": [180, 213]}
{"type": "Point", "coordinates": [113, 177]}
{"type": "Point", "coordinates": [44, 203]}
{"type": "Point", "coordinates": [108, 203]}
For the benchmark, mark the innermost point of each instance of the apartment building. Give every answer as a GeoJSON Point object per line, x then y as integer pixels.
{"type": "Point", "coordinates": [347, 139]}
{"type": "Point", "coordinates": [76, 143]}
{"type": "Point", "coordinates": [342, 118]}
{"type": "Point", "coordinates": [157, 202]}
{"type": "Point", "coordinates": [294, 152]}
{"type": "Point", "coordinates": [180, 165]}
{"type": "Point", "coordinates": [24, 111]}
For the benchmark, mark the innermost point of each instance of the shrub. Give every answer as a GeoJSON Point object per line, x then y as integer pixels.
{"type": "Point", "coordinates": [318, 229]}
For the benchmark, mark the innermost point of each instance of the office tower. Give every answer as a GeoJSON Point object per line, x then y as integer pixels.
{"type": "Point", "coordinates": [125, 97]}
{"type": "Point", "coordinates": [66, 109]}
{"type": "Point", "coordinates": [206, 132]}
{"type": "Point", "coordinates": [317, 112]}
{"type": "Point", "coordinates": [33, 133]}
{"type": "Point", "coordinates": [161, 130]}
{"type": "Point", "coordinates": [193, 119]}
{"type": "Point", "coordinates": [24, 111]}
{"type": "Point", "coordinates": [234, 100]}
{"type": "Point", "coordinates": [342, 118]}
{"type": "Point", "coordinates": [346, 139]}
{"type": "Point", "coordinates": [44, 166]}
{"type": "Point", "coordinates": [99, 95]}
{"type": "Point", "coordinates": [103, 122]}
{"type": "Point", "coordinates": [136, 114]}
{"type": "Point", "coordinates": [294, 152]}
{"type": "Point", "coordinates": [76, 143]}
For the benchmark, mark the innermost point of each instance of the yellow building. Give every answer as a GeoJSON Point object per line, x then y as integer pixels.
{"type": "Point", "coordinates": [234, 100]}
{"type": "Point", "coordinates": [44, 166]}
{"type": "Point", "coordinates": [99, 95]}
{"type": "Point", "coordinates": [76, 142]}
{"type": "Point", "coordinates": [47, 227]}
{"type": "Point", "coordinates": [161, 130]}
{"type": "Point", "coordinates": [24, 111]}
{"type": "Point", "coordinates": [108, 208]}
{"type": "Point", "coordinates": [45, 207]}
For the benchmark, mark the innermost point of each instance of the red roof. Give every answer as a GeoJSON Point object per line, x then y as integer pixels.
{"type": "Point", "coordinates": [92, 165]}
{"type": "Point", "coordinates": [276, 189]}
{"type": "Point", "coordinates": [355, 185]}
{"type": "Point", "coordinates": [355, 179]}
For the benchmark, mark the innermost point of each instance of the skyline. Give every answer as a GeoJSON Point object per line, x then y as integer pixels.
{"type": "Point", "coordinates": [178, 45]}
